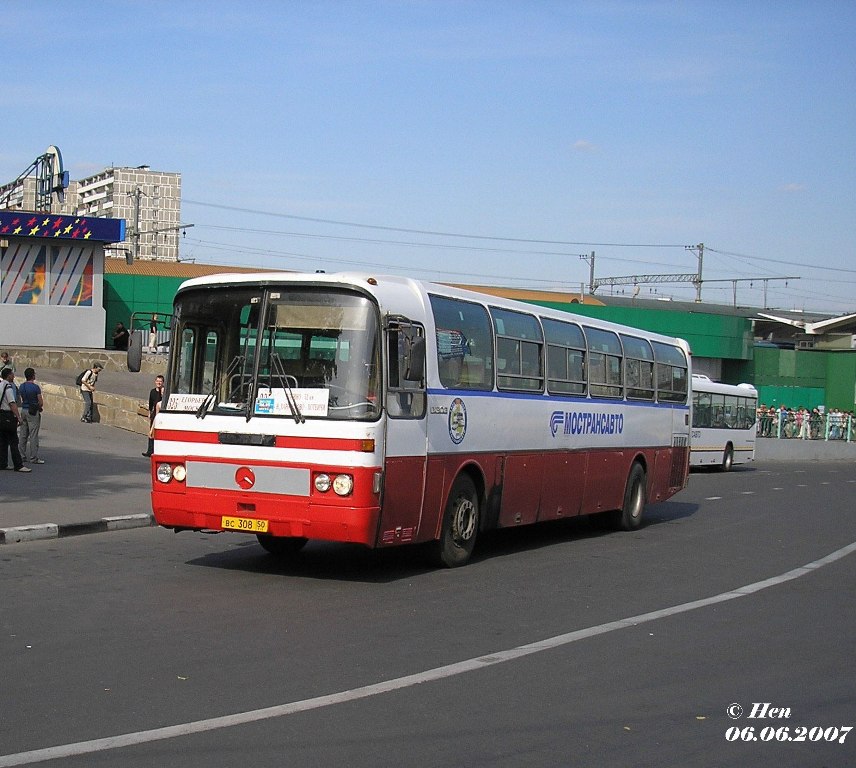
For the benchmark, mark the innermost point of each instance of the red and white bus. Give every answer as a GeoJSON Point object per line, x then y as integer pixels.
{"type": "Point", "coordinates": [387, 411]}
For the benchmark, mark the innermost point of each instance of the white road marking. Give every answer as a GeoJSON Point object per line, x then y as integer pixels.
{"type": "Point", "coordinates": [431, 675]}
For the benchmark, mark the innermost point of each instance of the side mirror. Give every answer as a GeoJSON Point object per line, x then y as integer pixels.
{"type": "Point", "coordinates": [135, 351]}
{"type": "Point", "coordinates": [414, 362]}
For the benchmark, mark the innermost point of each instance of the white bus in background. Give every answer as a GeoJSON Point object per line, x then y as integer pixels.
{"type": "Point", "coordinates": [385, 411]}
{"type": "Point", "coordinates": [723, 423]}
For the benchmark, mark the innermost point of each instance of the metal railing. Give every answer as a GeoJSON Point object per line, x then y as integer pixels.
{"type": "Point", "coordinates": [807, 425]}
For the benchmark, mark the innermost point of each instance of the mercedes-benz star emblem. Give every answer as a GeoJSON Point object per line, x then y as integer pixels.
{"type": "Point", "coordinates": [245, 478]}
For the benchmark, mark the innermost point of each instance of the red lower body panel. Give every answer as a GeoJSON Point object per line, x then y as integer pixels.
{"type": "Point", "coordinates": [285, 517]}
{"type": "Point", "coordinates": [517, 489]}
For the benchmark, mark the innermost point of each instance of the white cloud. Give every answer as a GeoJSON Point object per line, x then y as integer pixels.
{"type": "Point", "coordinates": [582, 145]}
{"type": "Point", "coordinates": [792, 187]}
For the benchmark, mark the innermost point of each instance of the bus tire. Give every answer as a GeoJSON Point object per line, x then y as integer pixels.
{"type": "Point", "coordinates": [629, 517]}
{"type": "Point", "coordinates": [281, 546]}
{"type": "Point", "coordinates": [460, 524]}
{"type": "Point", "coordinates": [727, 459]}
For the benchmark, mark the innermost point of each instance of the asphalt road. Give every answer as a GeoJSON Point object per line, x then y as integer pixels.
{"type": "Point", "coordinates": [351, 657]}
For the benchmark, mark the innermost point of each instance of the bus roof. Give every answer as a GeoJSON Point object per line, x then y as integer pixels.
{"type": "Point", "coordinates": [702, 383]}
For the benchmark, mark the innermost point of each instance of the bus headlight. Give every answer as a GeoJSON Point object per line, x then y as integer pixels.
{"type": "Point", "coordinates": [164, 473]}
{"type": "Point", "coordinates": [322, 483]}
{"type": "Point", "coordinates": [343, 485]}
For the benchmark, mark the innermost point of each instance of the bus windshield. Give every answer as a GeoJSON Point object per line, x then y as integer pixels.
{"type": "Point", "coordinates": [290, 352]}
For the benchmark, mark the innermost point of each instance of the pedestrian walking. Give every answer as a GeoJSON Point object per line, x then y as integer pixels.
{"type": "Point", "coordinates": [10, 418]}
{"type": "Point", "coordinates": [6, 361]}
{"type": "Point", "coordinates": [87, 390]}
{"type": "Point", "coordinates": [153, 334]}
{"type": "Point", "coordinates": [32, 404]}
{"type": "Point", "coordinates": [155, 398]}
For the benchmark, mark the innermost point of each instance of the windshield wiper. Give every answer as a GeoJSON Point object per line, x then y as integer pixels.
{"type": "Point", "coordinates": [276, 362]}
{"type": "Point", "coordinates": [212, 395]}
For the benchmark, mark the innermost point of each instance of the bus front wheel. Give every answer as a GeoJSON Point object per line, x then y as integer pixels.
{"type": "Point", "coordinates": [727, 459]}
{"type": "Point", "coordinates": [460, 524]}
{"type": "Point", "coordinates": [281, 546]}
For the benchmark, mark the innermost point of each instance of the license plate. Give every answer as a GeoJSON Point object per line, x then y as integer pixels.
{"type": "Point", "coordinates": [250, 524]}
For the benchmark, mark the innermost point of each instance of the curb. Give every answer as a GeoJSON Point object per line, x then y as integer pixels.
{"type": "Point", "coordinates": [23, 533]}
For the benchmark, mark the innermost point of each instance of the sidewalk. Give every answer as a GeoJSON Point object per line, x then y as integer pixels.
{"type": "Point", "coordinates": [94, 478]}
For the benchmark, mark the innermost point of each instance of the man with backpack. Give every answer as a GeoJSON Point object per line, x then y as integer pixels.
{"type": "Point", "coordinates": [31, 407]}
{"type": "Point", "coordinates": [86, 381]}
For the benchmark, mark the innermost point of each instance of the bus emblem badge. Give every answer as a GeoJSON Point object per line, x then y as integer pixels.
{"type": "Point", "coordinates": [457, 421]}
{"type": "Point", "coordinates": [245, 478]}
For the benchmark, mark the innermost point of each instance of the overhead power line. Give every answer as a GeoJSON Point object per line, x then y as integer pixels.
{"type": "Point", "coordinates": [432, 233]}
{"type": "Point", "coordinates": [270, 253]}
{"type": "Point", "coordinates": [484, 238]}
{"type": "Point", "coordinates": [781, 261]}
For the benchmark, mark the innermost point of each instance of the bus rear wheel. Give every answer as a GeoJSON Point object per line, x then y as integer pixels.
{"type": "Point", "coordinates": [460, 524]}
{"type": "Point", "coordinates": [727, 459]}
{"type": "Point", "coordinates": [281, 546]}
{"type": "Point", "coordinates": [629, 517]}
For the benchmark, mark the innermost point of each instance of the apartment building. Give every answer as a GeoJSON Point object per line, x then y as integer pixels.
{"type": "Point", "coordinates": [149, 201]}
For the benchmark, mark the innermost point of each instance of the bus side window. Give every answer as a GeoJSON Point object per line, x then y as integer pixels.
{"type": "Point", "coordinates": [671, 373]}
{"type": "Point", "coordinates": [638, 368]}
{"type": "Point", "coordinates": [566, 350]}
{"type": "Point", "coordinates": [464, 344]}
{"type": "Point", "coordinates": [701, 409]}
{"type": "Point", "coordinates": [519, 350]}
{"type": "Point", "coordinates": [605, 363]}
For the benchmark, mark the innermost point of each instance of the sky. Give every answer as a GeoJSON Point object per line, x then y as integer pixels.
{"type": "Point", "coordinates": [486, 143]}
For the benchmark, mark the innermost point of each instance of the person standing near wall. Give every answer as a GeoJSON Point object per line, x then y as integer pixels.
{"type": "Point", "coordinates": [155, 398]}
{"type": "Point", "coordinates": [153, 334]}
{"type": "Point", "coordinates": [32, 404]}
{"type": "Point", "coordinates": [10, 418]}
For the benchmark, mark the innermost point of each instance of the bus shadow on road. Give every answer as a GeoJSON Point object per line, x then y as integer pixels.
{"type": "Point", "coordinates": [509, 541]}
{"type": "Point", "coordinates": [354, 563]}
{"type": "Point", "coordinates": [715, 469]}
{"type": "Point", "coordinates": [668, 512]}
{"type": "Point", "coordinates": [324, 560]}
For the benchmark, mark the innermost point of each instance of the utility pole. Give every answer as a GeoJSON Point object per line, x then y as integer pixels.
{"type": "Point", "coordinates": [135, 252]}
{"type": "Point", "coordinates": [699, 249]}
{"type": "Point", "coordinates": [590, 261]}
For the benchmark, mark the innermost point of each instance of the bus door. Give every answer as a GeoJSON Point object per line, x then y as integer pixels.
{"type": "Point", "coordinates": [406, 445]}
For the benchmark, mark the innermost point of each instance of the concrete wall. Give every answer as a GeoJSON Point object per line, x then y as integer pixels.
{"type": "Point", "coordinates": [122, 397]}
